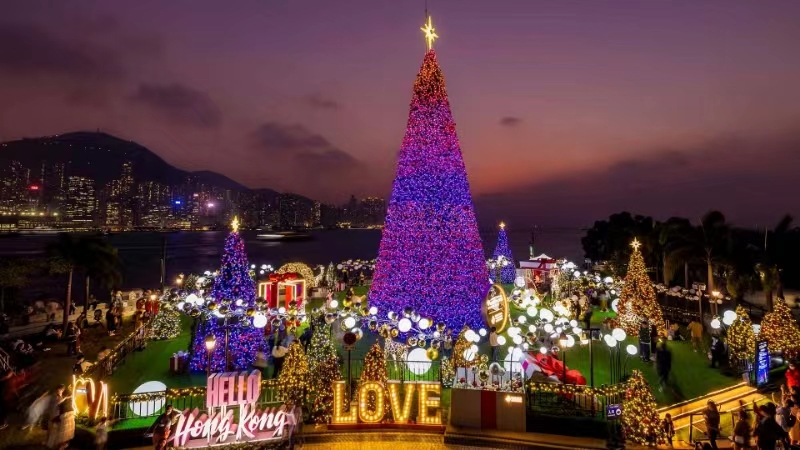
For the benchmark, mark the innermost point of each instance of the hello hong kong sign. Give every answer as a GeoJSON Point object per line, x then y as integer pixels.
{"type": "Point", "coordinates": [219, 425]}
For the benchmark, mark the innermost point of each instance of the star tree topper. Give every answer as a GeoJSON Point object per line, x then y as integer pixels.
{"type": "Point", "coordinates": [235, 224]}
{"type": "Point", "coordinates": [636, 244]}
{"type": "Point", "coordinates": [430, 36]}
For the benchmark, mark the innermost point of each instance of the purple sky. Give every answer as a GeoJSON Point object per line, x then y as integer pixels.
{"type": "Point", "coordinates": [566, 110]}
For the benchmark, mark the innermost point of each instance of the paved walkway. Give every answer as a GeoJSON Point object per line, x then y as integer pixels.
{"type": "Point", "coordinates": [37, 326]}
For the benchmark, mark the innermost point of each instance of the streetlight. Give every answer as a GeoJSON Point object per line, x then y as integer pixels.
{"type": "Point", "coordinates": [211, 342]}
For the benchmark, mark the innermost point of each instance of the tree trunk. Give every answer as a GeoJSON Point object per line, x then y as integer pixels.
{"type": "Point", "coordinates": [3, 299]}
{"type": "Point", "coordinates": [686, 274]}
{"type": "Point", "coordinates": [769, 298]}
{"type": "Point", "coordinates": [778, 285]}
{"type": "Point", "coordinates": [68, 300]}
{"type": "Point", "coordinates": [710, 267]}
{"type": "Point", "coordinates": [86, 296]}
{"type": "Point", "coordinates": [664, 268]}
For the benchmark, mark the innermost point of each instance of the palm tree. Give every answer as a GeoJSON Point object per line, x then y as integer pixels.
{"type": "Point", "coordinates": [776, 253]}
{"type": "Point", "coordinates": [668, 243]}
{"type": "Point", "coordinates": [92, 255]}
{"type": "Point", "coordinates": [65, 256]}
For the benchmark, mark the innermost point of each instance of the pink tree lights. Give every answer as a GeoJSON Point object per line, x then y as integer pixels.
{"type": "Point", "coordinates": [431, 256]}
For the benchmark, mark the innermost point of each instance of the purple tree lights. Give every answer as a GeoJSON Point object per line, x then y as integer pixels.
{"type": "Point", "coordinates": [237, 341]}
{"type": "Point", "coordinates": [234, 281]}
{"type": "Point", "coordinates": [507, 273]}
{"type": "Point", "coordinates": [431, 256]}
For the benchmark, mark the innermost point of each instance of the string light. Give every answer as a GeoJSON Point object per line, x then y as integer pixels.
{"type": "Point", "coordinates": [339, 416]}
{"type": "Point", "coordinates": [375, 371]}
{"type": "Point", "coordinates": [780, 330]}
{"type": "Point", "coordinates": [326, 373]}
{"type": "Point", "coordinates": [640, 421]}
{"type": "Point", "coordinates": [375, 413]}
{"type": "Point", "coordinates": [638, 298]}
{"type": "Point", "coordinates": [430, 242]}
{"type": "Point", "coordinates": [401, 413]}
{"type": "Point", "coordinates": [426, 402]}
{"type": "Point", "coordinates": [301, 269]}
{"type": "Point", "coordinates": [508, 272]}
{"type": "Point", "coordinates": [295, 378]}
{"type": "Point", "coordinates": [741, 337]}
{"type": "Point", "coordinates": [166, 324]}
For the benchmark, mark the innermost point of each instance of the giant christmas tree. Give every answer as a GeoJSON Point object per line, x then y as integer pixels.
{"type": "Point", "coordinates": [507, 273]}
{"type": "Point", "coordinates": [638, 298]}
{"type": "Point", "coordinates": [431, 256]}
{"type": "Point", "coordinates": [237, 341]}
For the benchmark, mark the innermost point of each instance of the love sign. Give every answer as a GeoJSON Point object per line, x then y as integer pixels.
{"type": "Point", "coordinates": [428, 403]}
{"type": "Point", "coordinates": [89, 398]}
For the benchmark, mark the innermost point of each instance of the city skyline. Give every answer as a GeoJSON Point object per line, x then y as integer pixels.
{"type": "Point", "coordinates": [654, 108]}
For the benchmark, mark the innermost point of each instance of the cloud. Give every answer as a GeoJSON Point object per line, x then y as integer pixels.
{"type": "Point", "coordinates": [180, 104]}
{"type": "Point", "coordinates": [749, 179]}
{"type": "Point", "coordinates": [27, 50]}
{"type": "Point", "coordinates": [509, 121]}
{"type": "Point", "coordinates": [306, 162]}
{"type": "Point", "coordinates": [319, 102]}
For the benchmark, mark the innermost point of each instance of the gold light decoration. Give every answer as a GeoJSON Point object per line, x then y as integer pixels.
{"type": "Point", "coordinates": [427, 402]}
{"type": "Point", "coordinates": [401, 412]}
{"type": "Point", "coordinates": [430, 36]}
{"type": "Point", "coordinates": [89, 398]}
{"type": "Point", "coordinates": [780, 330]}
{"type": "Point", "coordinates": [637, 300]}
{"type": "Point", "coordinates": [339, 401]}
{"type": "Point", "coordinates": [235, 224]}
{"type": "Point", "coordinates": [376, 413]}
{"type": "Point", "coordinates": [375, 370]}
{"type": "Point", "coordinates": [640, 420]}
{"type": "Point", "coordinates": [295, 377]}
{"type": "Point", "coordinates": [301, 269]}
{"type": "Point", "coordinates": [741, 337]}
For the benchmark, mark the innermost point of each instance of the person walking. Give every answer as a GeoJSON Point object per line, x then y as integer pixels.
{"type": "Point", "coordinates": [696, 333]}
{"type": "Point", "coordinates": [742, 432]}
{"type": "Point", "coordinates": [663, 364]}
{"type": "Point", "coordinates": [711, 418]}
{"type": "Point", "coordinates": [111, 322]}
{"type": "Point", "coordinates": [493, 342]}
{"type": "Point", "coordinates": [644, 340]}
{"type": "Point", "coordinates": [717, 351]}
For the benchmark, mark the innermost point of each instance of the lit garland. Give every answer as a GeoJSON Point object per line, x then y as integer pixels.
{"type": "Point", "coordinates": [640, 421]}
{"type": "Point", "coordinates": [780, 330]}
{"type": "Point", "coordinates": [166, 324]}
{"type": "Point", "coordinates": [508, 273]}
{"type": "Point", "coordinates": [374, 371]}
{"type": "Point", "coordinates": [301, 269]}
{"type": "Point", "coordinates": [572, 389]}
{"type": "Point", "coordinates": [295, 379]}
{"type": "Point", "coordinates": [357, 264]}
{"type": "Point", "coordinates": [638, 298]}
{"type": "Point", "coordinates": [431, 256]}
{"type": "Point", "coordinates": [741, 337]}
{"type": "Point", "coordinates": [174, 393]}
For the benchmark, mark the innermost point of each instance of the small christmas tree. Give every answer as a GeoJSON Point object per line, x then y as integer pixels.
{"type": "Point", "coordinates": [741, 337]}
{"type": "Point", "coordinates": [640, 421]}
{"type": "Point", "coordinates": [638, 293]}
{"type": "Point", "coordinates": [295, 378]}
{"type": "Point", "coordinates": [321, 347]}
{"type": "Point", "coordinates": [780, 330]}
{"type": "Point", "coordinates": [325, 374]}
{"type": "Point", "coordinates": [167, 323]}
{"type": "Point", "coordinates": [461, 347]}
{"type": "Point", "coordinates": [375, 370]}
{"type": "Point", "coordinates": [331, 276]}
{"type": "Point", "coordinates": [507, 273]}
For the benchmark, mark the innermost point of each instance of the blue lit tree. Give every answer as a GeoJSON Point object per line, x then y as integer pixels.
{"type": "Point", "coordinates": [225, 314]}
{"type": "Point", "coordinates": [508, 273]}
{"type": "Point", "coordinates": [431, 257]}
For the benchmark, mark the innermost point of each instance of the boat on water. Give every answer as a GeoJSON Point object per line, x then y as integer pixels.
{"type": "Point", "coordinates": [284, 236]}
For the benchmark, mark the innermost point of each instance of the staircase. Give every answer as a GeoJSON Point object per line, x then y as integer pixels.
{"type": "Point", "coordinates": [727, 400]}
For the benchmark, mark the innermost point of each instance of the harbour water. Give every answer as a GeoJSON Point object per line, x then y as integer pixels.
{"type": "Point", "coordinates": [195, 252]}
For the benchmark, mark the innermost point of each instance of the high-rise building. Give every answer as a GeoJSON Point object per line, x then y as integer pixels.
{"type": "Point", "coordinates": [113, 206]}
{"type": "Point", "coordinates": [153, 204]}
{"type": "Point", "coordinates": [316, 214]}
{"type": "Point", "coordinates": [81, 203]}
{"type": "Point", "coordinates": [372, 211]}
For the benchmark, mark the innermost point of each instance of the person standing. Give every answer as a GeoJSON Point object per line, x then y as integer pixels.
{"type": "Point", "coordinates": [163, 427]}
{"type": "Point", "coordinates": [62, 428]}
{"type": "Point", "coordinates": [768, 431]}
{"type": "Point", "coordinates": [711, 417]}
{"type": "Point", "coordinates": [493, 342]}
{"type": "Point", "coordinates": [742, 432]}
{"type": "Point", "coordinates": [792, 375]}
{"type": "Point", "coordinates": [696, 333]}
{"type": "Point", "coordinates": [71, 337]}
{"type": "Point", "coordinates": [668, 427]}
{"type": "Point", "coordinates": [111, 322]}
{"type": "Point", "coordinates": [717, 351]}
{"type": "Point", "coordinates": [644, 340]}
